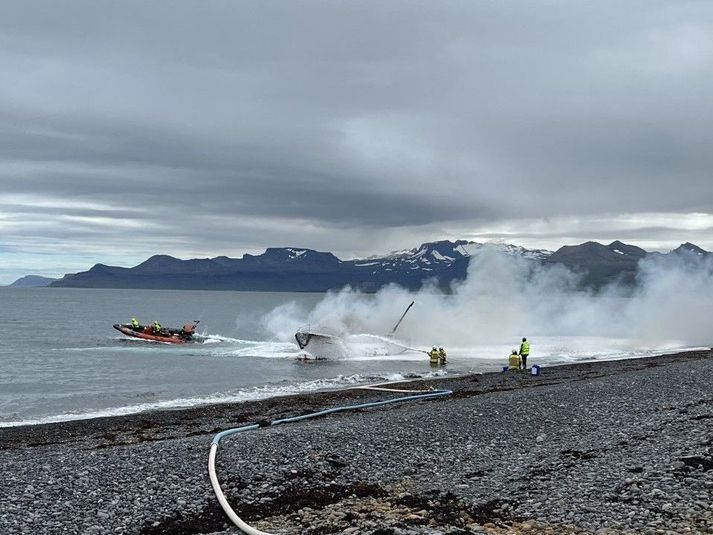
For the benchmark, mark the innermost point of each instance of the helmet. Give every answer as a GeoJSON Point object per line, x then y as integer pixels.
{"type": "Point", "coordinates": [434, 347]}
{"type": "Point", "coordinates": [440, 348]}
{"type": "Point", "coordinates": [514, 351]}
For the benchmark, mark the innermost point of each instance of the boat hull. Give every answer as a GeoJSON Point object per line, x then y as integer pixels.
{"type": "Point", "coordinates": [167, 338]}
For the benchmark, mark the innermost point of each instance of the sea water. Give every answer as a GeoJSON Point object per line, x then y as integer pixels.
{"type": "Point", "coordinates": [60, 358]}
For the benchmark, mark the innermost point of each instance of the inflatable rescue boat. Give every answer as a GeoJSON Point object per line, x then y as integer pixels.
{"type": "Point", "coordinates": [166, 334]}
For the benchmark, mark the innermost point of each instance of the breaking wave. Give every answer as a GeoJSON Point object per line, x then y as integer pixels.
{"type": "Point", "coordinates": [254, 393]}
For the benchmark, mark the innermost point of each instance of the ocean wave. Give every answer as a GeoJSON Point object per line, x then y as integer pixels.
{"type": "Point", "coordinates": [249, 394]}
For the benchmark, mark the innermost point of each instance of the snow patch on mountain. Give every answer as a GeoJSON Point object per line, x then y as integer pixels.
{"type": "Point", "coordinates": [442, 254]}
{"type": "Point", "coordinates": [296, 253]}
{"type": "Point", "coordinates": [439, 256]}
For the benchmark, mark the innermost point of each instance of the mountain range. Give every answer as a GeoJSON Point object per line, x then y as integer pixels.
{"type": "Point", "coordinates": [299, 269]}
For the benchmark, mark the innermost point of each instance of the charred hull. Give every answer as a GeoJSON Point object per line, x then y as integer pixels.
{"type": "Point", "coordinates": [302, 339]}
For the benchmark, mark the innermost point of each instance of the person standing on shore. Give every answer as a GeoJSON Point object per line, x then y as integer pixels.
{"type": "Point", "coordinates": [524, 352]}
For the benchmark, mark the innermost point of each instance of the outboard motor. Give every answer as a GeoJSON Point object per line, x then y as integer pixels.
{"type": "Point", "coordinates": [188, 330]}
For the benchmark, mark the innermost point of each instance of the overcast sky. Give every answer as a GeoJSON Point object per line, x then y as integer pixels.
{"type": "Point", "coordinates": [212, 128]}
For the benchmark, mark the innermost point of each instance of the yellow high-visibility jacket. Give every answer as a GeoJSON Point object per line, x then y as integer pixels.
{"type": "Point", "coordinates": [514, 362]}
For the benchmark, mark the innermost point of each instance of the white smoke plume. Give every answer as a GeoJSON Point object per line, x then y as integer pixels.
{"type": "Point", "coordinates": [674, 299]}
{"type": "Point", "coordinates": [506, 297]}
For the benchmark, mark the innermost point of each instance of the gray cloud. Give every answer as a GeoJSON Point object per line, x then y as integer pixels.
{"type": "Point", "coordinates": [221, 127]}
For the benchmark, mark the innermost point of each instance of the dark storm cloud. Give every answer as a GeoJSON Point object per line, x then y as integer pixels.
{"type": "Point", "coordinates": [218, 127]}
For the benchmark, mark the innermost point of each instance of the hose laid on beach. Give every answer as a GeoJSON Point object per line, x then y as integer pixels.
{"type": "Point", "coordinates": [418, 395]}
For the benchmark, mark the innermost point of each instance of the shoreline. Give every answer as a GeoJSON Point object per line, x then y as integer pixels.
{"type": "Point", "coordinates": [201, 401]}
{"type": "Point", "coordinates": [608, 447]}
{"type": "Point", "coordinates": [222, 411]}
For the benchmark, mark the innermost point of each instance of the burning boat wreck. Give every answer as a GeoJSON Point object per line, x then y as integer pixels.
{"type": "Point", "coordinates": [322, 343]}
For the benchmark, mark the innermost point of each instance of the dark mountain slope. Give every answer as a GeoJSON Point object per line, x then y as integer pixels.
{"type": "Point", "coordinates": [299, 269]}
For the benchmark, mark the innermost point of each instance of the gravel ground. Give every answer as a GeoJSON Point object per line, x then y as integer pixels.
{"type": "Point", "coordinates": [605, 448]}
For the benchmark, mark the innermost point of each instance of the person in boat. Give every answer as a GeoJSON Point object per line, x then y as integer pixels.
{"type": "Point", "coordinates": [514, 361]}
{"type": "Point", "coordinates": [156, 327]}
{"type": "Point", "coordinates": [188, 330]}
{"type": "Point", "coordinates": [135, 324]}
{"type": "Point", "coordinates": [442, 355]}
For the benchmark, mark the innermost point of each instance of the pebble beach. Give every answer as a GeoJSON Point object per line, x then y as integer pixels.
{"type": "Point", "coordinates": [594, 448]}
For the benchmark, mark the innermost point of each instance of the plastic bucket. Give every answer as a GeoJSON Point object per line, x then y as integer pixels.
{"type": "Point", "coordinates": [535, 370]}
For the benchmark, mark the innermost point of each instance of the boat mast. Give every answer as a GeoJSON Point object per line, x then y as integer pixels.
{"type": "Point", "coordinates": [401, 318]}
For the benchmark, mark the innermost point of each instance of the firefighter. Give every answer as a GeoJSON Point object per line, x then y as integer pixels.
{"type": "Point", "coordinates": [442, 355]}
{"type": "Point", "coordinates": [514, 361]}
{"type": "Point", "coordinates": [524, 352]}
{"type": "Point", "coordinates": [434, 356]}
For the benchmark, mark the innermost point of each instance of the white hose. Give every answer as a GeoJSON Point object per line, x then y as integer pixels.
{"type": "Point", "coordinates": [419, 395]}
{"type": "Point", "coordinates": [221, 497]}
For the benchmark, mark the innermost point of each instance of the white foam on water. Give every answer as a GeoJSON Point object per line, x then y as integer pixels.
{"type": "Point", "coordinates": [237, 396]}
{"type": "Point", "coordinates": [267, 350]}
{"type": "Point", "coordinates": [368, 347]}
{"type": "Point", "coordinates": [212, 345]}
{"type": "Point", "coordinates": [218, 339]}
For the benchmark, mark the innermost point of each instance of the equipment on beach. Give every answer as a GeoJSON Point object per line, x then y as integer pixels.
{"type": "Point", "coordinates": [249, 530]}
{"type": "Point", "coordinates": [535, 370]}
{"type": "Point", "coordinates": [166, 335]}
